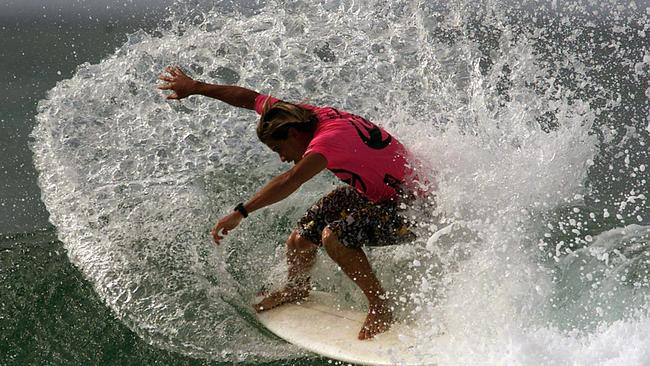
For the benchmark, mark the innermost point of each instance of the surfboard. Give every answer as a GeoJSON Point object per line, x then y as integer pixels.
{"type": "Point", "coordinates": [318, 325]}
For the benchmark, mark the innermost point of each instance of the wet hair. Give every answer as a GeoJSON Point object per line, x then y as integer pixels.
{"type": "Point", "coordinates": [276, 119]}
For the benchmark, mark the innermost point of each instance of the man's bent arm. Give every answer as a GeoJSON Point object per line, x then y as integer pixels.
{"type": "Point", "coordinates": [286, 183]}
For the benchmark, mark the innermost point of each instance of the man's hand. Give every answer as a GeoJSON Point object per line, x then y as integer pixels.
{"type": "Point", "coordinates": [225, 225]}
{"type": "Point", "coordinates": [181, 84]}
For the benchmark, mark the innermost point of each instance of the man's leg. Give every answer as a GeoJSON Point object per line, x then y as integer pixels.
{"type": "Point", "coordinates": [354, 263]}
{"type": "Point", "coordinates": [301, 256]}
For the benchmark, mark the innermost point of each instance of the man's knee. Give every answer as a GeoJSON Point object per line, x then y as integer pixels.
{"type": "Point", "coordinates": [330, 241]}
{"type": "Point", "coordinates": [297, 243]}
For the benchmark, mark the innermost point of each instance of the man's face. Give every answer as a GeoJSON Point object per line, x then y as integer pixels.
{"type": "Point", "coordinates": [290, 150]}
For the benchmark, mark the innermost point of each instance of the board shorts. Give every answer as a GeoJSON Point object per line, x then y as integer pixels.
{"type": "Point", "coordinates": [355, 220]}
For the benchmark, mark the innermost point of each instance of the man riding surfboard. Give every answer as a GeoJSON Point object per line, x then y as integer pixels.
{"type": "Point", "coordinates": [365, 212]}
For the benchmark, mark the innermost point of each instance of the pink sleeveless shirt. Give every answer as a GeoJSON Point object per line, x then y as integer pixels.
{"type": "Point", "coordinates": [358, 152]}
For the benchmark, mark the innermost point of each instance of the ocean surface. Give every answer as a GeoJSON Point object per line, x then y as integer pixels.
{"type": "Point", "coordinates": [532, 118]}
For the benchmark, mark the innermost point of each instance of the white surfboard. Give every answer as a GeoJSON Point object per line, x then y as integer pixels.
{"type": "Point", "coordinates": [317, 325]}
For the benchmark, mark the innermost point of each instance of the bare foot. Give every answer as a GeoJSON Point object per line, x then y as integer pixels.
{"type": "Point", "coordinates": [277, 298]}
{"type": "Point", "coordinates": [379, 320]}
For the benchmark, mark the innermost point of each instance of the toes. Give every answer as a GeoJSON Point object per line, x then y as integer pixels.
{"type": "Point", "coordinates": [373, 327]}
{"type": "Point", "coordinates": [368, 330]}
{"type": "Point", "coordinates": [364, 334]}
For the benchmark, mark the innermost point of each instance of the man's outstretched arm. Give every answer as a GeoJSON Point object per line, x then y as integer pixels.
{"type": "Point", "coordinates": [183, 86]}
{"type": "Point", "coordinates": [274, 191]}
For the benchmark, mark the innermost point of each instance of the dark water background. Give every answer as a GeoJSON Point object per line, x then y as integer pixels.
{"type": "Point", "coordinates": [48, 313]}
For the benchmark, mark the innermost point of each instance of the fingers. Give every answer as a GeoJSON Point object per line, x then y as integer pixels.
{"type": "Point", "coordinates": [166, 78]}
{"type": "Point", "coordinates": [169, 86]}
{"type": "Point", "coordinates": [175, 71]}
{"type": "Point", "coordinates": [172, 78]}
{"type": "Point", "coordinates": [215, 235]}
{"type": "Point", "coordinates": [215, 232]}
{"type": "Point", "coordinates": [179, 71]}
{"type": "Point", "coordinates": [172, 70]}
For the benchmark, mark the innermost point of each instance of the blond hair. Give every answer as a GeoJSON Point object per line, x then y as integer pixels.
{"type": "Point", "coordinates": [276, 119]}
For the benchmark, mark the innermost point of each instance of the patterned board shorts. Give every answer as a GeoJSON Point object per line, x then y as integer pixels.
{"type": "Point", "coordinates": [355, 220]}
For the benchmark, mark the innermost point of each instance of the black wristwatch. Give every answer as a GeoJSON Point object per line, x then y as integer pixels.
{"type": "Point", "coordinates": [242, 210]}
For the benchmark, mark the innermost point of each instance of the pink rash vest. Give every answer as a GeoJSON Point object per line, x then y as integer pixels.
{"type": "Point", "coordinates": [358, 152]}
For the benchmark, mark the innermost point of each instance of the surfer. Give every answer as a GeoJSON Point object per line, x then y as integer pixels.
{"type": "Point", "coordinates": [365, 212]}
